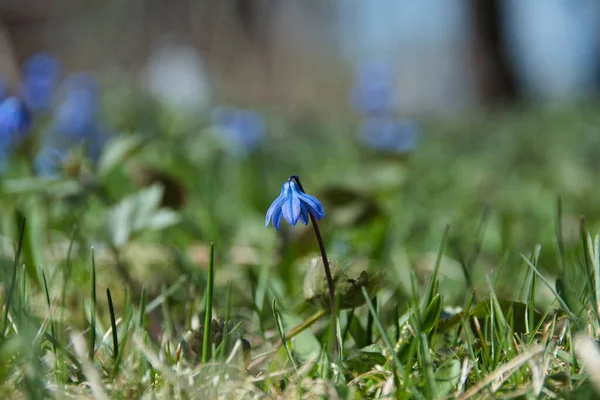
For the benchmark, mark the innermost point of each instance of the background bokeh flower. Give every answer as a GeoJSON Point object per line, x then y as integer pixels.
{"type": "Point", "coordinates": [388, 134]}
{"type": "Point", "coordinates": [76, 115]}
{"type": "Point", "coordinates": [373, 90]}
{"type": "Point", "coordinates": [241, 130]}
{"type": "Point", "coordinates": [40, 76]}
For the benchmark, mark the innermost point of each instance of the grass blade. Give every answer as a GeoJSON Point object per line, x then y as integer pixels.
{"type": "Point", "coordinates": [206, 342]}
{"type": "Point", "coordinates": [558, 298]}
{"type": "Point", "coordinates": [390, 346]}
{"type": "Point", "coordinates": [125, 335]}
{"type": "Point", "coordinates": [433, 277]}
{"type": "Point", "coordinates": [13, 281]}
{"type": "Point", "coordinates": [559, 231]}
{"type": "Point", "coordinates": [142, 316]}
{"type": "Point", "coordinates": [226, 322]}
{"type": "Point", "coordinates": [52, 329]}
{"type": "Point", "coordinates": [281, 331]}
{"type": "Point", "coordinates": [93, 310]}
{"type": "Point", "coordinates": [113, 324]}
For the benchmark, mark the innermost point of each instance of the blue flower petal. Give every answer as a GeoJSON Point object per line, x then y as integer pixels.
{"type": "Point", "coordinates": [40, 76]}
{"type": "Point", "coordinates": [291, 209]}
{"type": "Point", "coordinates": [274, 207]}
{"type": "Point", "coordinates": [373, 90]}
{"type": "Point", "coordinates": [314, 206]}
{"type": "Point", "coordinates": [242, 130]}
{"type": "Point", "coordinates": [75, 117]}
{"type": "Point", "coordinates": [304, 214]}
{"type": "Point", "coordinates": [277, 217]}
{"type": "Point", "coordinates": [384, 133]}
{"type": "Point", "coordinates": [14, 121]}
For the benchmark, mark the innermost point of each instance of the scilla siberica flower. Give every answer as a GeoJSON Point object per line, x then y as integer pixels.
{"type": "Point", "coordinates": [75, 117]}
{"type": "Point", "coordinates": [39, 80]}
{"type": "Point", "coordinates": [293, 204]}
{"type": "Point", "coordinates": [243, 130]}
{"type": "Point", "coordinates": [15, 121]}
{"type": "Point", "coordinates": [75, 124]}
{"type": "Point", "coordinates": [388, 134]}
{"type": "Point", "coordinates": [373, 90]}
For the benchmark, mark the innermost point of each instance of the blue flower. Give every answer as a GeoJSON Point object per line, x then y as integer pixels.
{"type": "Point", "coordinates": [76, 115]}
{"type": "Point", "coordinates": [49, 162]}
{"type": "Point", "coordinates": [373, 90]}
{"type": "Point", "coordinates": [293, 204]}
{"type": "Point", "coordinates": [15, 121]}
{"type": "Point", "coordinates": [40, 77]}
{"type": "Point", "coordinates": [387, 134]}
{"type": "Point", "coordinates": [243, 130]}
{"type": "Point", "coordinates": [75, 121]}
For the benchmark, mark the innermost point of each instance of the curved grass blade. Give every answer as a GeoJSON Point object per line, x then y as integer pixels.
{"type": "Point", "coordinates": [125, 334]}
{"type": "Point", "coordinates": [558, 298]}
{"type": "Point", "coordinates": [281, 331]}
{"type": "Point", "coordinates": [431, 286]}
{"type": "Point", "coordinates": [390, 346]}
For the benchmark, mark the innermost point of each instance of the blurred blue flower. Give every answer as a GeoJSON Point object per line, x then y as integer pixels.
{"type": "Point", "coordinates": [243, 130]}
{"type": "Point", "coordinates": [293, 204]}
{"type": "Point", "coordinates": [373, 90]}
{"type": "Point", "coordinates": [49, 162]}
{"type": "Point", "coordinates": [15, 121]}
{"type": "Point", "coordinates": [388, 134]}
{"type": "Point", "coordinates": [75, 122]}
{"type": "Point", "coordinates": [76, 116]}
{"type": "Point", "coordinates": [39, 80]}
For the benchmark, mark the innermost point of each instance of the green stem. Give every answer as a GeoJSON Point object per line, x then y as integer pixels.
{"type": "Point", "coordinates": [328, 276]}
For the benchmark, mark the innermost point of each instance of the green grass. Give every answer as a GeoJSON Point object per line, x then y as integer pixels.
{"type": "Point", "coordinates": [468, 269]}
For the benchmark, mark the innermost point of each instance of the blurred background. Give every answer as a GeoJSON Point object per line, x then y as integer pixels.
{"type": "Point", "coordinates": [442, 55]}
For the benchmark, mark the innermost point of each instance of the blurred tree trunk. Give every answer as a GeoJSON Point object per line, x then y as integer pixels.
{"type": "Point", "coordinates": [496, 81]}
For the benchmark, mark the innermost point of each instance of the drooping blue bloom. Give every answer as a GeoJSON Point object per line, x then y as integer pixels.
{"type": "Point", "coordinates": [243, 130]}
{"type": "Point", "coordinates": [15, 121]}
{"type": "Point", "coordinates": [40, 77]}
{"type": "Point", "coordinates": [387, 134]}
{"type": "Point", "coordinates": [373, 90]}
{"type": "Point", "coordinates": [76, 116]}
{"type": "Point", "coordinates": [293, 204]}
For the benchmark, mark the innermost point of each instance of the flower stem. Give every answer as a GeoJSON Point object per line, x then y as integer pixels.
{"type": "Point", "coordinates": [313, 220]}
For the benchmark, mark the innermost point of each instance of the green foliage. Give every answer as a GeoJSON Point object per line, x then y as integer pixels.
{"type": "Point", "coordinates": [492, 307]}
